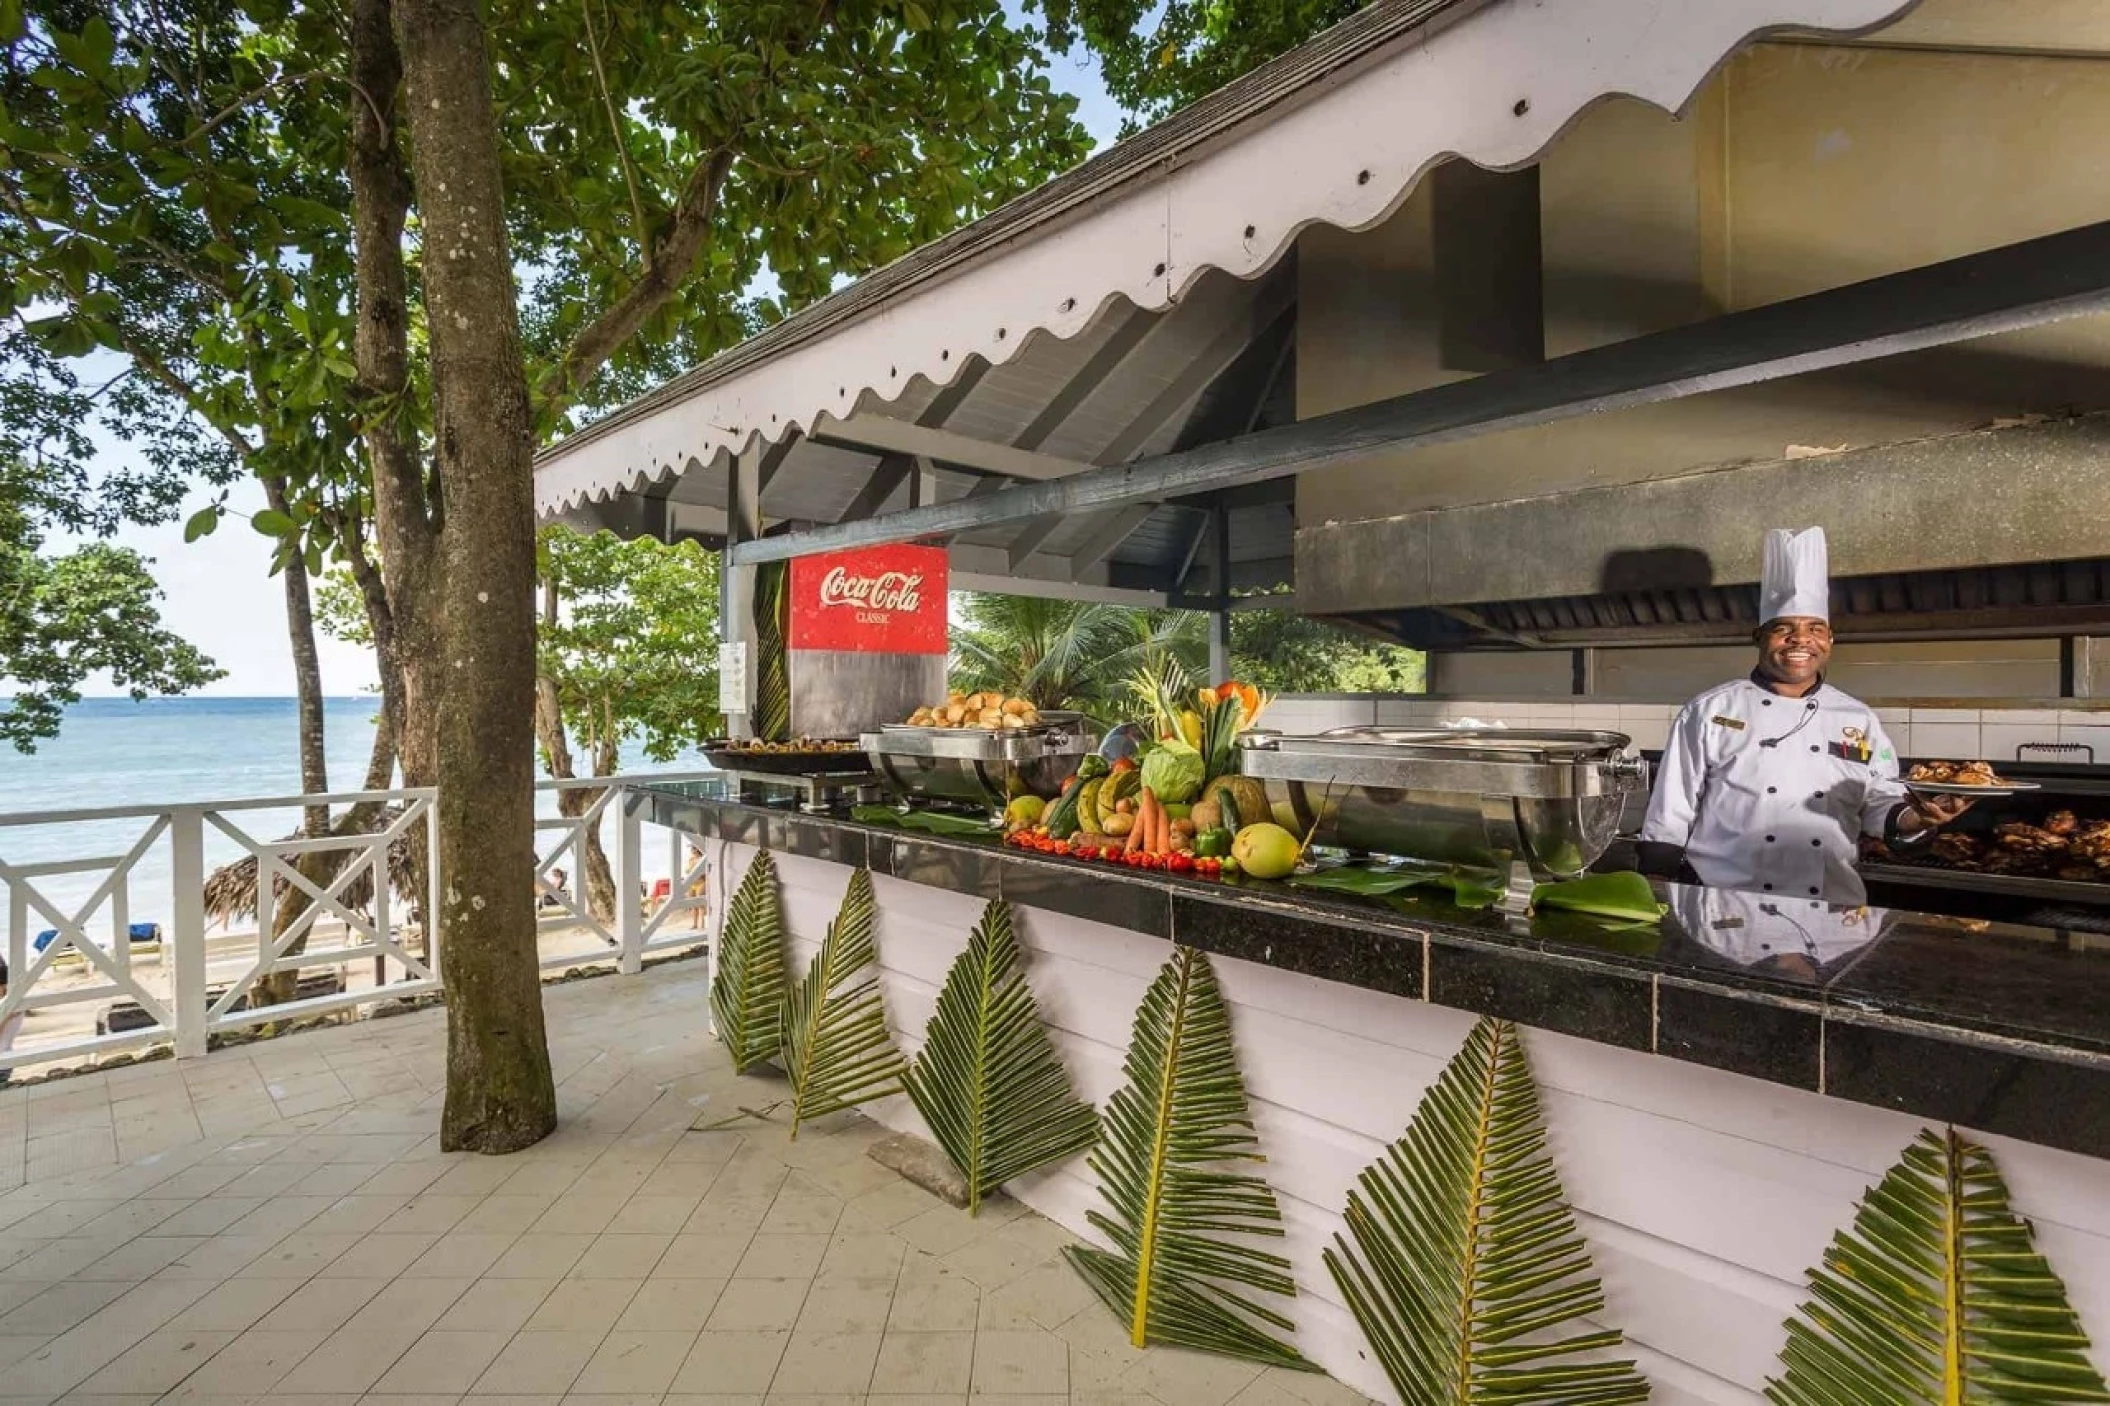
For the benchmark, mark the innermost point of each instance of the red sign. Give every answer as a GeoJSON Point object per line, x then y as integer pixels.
{"type": "Point", "coordinates": [882, 600]}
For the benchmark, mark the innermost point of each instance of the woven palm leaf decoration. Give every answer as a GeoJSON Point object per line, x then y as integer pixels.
{"type": "Point", "coordinates": [747, 989]}
{"type": "Point", "coordinates": [1183, 1271]}
{"type": "Point", "coordinates": [772, 717]}
{"type": "Point", "coordinates": [1936, 1294]}
{"type": "Point", "coordinates": [836, 1046]}
{"type": "Point", "coordinates": [988, 1080]}
{"type": "Point", "coordinates": [1462, 1262]}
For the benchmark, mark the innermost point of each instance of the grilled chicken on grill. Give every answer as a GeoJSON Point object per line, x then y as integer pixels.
{"type": "Point", "coordinates": [2018, 835]}
{"type": "Point", "coordinates": [1963, 851]}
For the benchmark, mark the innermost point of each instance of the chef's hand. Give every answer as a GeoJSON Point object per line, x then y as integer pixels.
{"type": "Point", "coordinates": [1933, 812]}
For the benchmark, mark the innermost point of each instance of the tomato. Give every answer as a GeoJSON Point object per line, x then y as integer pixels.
{"type": "Point", "coordinates": [1180, 863]}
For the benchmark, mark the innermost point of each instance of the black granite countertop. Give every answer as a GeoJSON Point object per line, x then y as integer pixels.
{"type": "Point", "coordinates": [1993, 1026]}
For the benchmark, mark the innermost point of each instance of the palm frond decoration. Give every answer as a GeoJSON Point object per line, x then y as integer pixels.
{"type": "Point", "coordinates": [1936, 1294]}
{"type": "Point", "coordinates": [988, 1080]}
{"type": "Point", "coordinates": [1182, 1271]}
{"type": "Point", "coordinates": [747, 988]}
{"type": "Point", "coordinates": [1462, 1260]}
{"type": "Point", "coordinates": [772, 716]}
{"type": "Point", "coordinates": [836, 1046]}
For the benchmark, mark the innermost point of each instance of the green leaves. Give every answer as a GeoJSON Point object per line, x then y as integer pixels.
{"type": "Point", "coordinates": [272, 523]}
{"type": "Point", "coordinates": [1183, 1271]}
{"type": "Point", "coordinates": [1936, 1295]}
{"type": "Point", "coordinates": [747, 987]}
{"type": "Point", "coordinates": [837, 1051]}
{"type": "Point", "coordinates": [772, 715]}
{"type": "Point", "coordinates": [1462, 1262]}
{"type": "Point", "coordinates": [988, 1081]}
{"type": "Point", "coordinates": [201, 523]}
{"type": "Point", "coordinates": [633, 650]}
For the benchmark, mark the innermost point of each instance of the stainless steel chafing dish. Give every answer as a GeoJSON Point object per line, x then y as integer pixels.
{"type": "Point", "coordinates": [1490, 798]}
{"type": "Point", "coordinates": [981, 766]}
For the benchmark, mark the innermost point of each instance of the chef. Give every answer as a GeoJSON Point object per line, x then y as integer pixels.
{"type": "Point", "coordinates": [1767, 782]}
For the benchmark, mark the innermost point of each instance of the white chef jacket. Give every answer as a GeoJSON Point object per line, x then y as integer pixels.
{"type": "Point", "coordinates": [1750, 928]}
{"type": "Point", "coordinates": [1769, 794]}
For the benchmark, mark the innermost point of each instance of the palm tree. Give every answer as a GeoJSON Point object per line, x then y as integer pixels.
{"type": "Point", "coordinates": [1068, 654]}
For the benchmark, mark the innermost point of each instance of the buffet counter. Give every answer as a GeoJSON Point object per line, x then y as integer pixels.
{"type": "Point", "coordinates": [1718, 1100]}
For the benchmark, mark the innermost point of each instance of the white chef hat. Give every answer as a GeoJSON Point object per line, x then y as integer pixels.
{"type": "Point", "coordinates": [1797, 576]}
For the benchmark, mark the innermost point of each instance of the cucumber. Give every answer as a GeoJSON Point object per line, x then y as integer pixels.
{"type": "Point", "coordinates": [1229, 805]}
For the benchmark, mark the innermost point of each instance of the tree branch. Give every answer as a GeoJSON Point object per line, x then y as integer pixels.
{"type": "Point", "coordinates": [622, 148]}
{"type": "Point", "coordinates": [669, 266]}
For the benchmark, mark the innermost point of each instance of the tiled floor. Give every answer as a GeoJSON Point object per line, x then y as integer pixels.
{"type": "Point", "coordinates": [276, 1222]}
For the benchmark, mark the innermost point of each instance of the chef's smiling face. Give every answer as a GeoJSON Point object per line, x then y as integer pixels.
{"type": "Point", "coordinates": [1793, 652]}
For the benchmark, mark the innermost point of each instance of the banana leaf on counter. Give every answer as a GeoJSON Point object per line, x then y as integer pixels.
{"type": "Point", "coordinates": [1468, 888]}
{"type": "Point", "coordinates": [1622, 897]}
{"type": "Point", "coordinates": [933, 822]}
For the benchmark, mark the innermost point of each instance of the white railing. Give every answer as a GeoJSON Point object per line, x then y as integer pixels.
{"type": "Point", "coordinates": [78, 984]}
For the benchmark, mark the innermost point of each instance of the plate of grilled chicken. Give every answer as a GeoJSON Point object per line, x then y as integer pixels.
{"type": "Point", "coordinates": [1975, 779]}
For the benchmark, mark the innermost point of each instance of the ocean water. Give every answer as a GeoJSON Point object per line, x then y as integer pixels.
{"type": "Point", "coordinates": [112, 752]}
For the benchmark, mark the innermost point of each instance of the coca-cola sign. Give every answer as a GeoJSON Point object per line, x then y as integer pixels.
{"type": "Point", "coordinates": [888, 591]}
{"type": "Point", "coordinates": [882, 600]}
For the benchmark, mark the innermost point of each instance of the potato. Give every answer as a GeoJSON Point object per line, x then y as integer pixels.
{"type": "Point", "coordinates": [1208, 815]}
{"type": "Point", "coordinates": [1119, 825]}
{"type": "Point", "coordinates": [1182, 827]}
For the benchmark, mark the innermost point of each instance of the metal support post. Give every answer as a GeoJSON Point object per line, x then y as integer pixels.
{"type": "Point", "coordinates": [629, 866]}
{"type": "Point", "coordinates": [187, 909]}
{"type": "Point", "coordinates": [1220, 589]}
{"type": "Point", "coordinates": [736, 625]}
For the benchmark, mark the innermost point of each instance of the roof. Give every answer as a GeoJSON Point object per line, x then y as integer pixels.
{"type": "Point", "coordinates": [1127, 307]}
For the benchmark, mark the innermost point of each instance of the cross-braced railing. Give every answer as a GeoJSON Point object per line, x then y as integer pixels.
{"type": "Point", "coordinates": [86, 976]}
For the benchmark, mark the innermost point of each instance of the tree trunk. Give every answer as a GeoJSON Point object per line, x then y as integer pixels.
{"type": "Point", "coordinates": [278, 987]}
{"type": "Point", "coordinates": [500, 1095]}
{"type": "Point", "coordinates": [599, 878]}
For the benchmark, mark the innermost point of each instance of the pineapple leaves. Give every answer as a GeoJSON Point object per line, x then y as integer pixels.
{"type": "Point", "coordinates": [772, 715]}
{"type": "Point", "coordinates": [1936, 1294]}
{"type": "Point", "coordinates": [837, 1051]}
{"type": "Point", "coordinates": [747, 987]}
{"type": "Point", "coordinates": [988, 1081]}
{"type": "Point", "coordinates": [1183, 1272]}
{"type": "Point", "coordinates": [1462, 1261]}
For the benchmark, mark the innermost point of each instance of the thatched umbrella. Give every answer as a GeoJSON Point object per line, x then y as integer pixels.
{"type": "Point", "coordinates": [230, 890]}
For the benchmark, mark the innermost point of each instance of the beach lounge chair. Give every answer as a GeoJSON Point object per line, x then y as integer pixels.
{"type": "Point", "coordinates": [146, 937]}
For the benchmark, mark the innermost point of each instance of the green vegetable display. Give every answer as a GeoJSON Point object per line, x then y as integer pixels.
{"type": "Point", "coordinates": [1174, 772]}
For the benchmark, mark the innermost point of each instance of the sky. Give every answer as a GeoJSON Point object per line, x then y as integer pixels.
{"type": "Point", "coordinates": [217, 593]}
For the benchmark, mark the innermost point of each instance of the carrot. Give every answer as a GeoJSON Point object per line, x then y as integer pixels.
{"type": "Point", "coordinates": [1163, 817]}
{"type": "Point", "coordinates": [1137, 831]}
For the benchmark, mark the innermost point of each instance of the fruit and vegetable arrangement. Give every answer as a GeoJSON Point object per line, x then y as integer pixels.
{"type": "Point", "coordinates": [978, 710]}
{"type": "Point", "coordinates": [1177, 806]}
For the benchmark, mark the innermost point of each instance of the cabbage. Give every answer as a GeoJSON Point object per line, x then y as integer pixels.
{"type": "Point", "coordinates": [1174, 773]}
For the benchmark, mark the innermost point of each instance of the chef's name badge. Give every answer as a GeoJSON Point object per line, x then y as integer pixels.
{"type": "Point", "coordinates": [1733, 724]}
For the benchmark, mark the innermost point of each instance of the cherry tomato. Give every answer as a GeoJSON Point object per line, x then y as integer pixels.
{"type": "Point", "coordinates": [1180, 863]}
